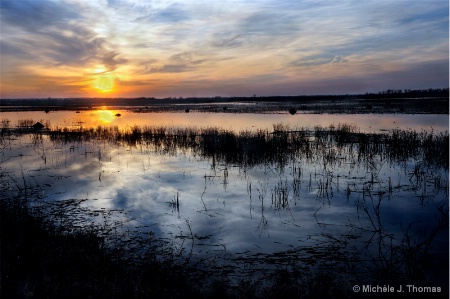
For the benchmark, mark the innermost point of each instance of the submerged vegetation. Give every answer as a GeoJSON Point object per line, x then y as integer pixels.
{"type": "Point", "coordinates": [55, 249]}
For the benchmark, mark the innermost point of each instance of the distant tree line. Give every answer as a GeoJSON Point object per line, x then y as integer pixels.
{"type": "Point", "coordinates": [143, 101]}
{"type": "Point", "coordinates": [409, 93]}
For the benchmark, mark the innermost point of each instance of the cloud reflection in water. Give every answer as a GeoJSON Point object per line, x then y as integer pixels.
{"type": "Point", "coordinates": [240, 212]}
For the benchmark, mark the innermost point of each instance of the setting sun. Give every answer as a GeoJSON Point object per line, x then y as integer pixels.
{"type": "Point", "coordinates": [104, 82]}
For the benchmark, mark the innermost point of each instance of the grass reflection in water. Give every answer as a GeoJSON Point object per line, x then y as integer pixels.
{"type": "Point", "coordinates": [287, 173]}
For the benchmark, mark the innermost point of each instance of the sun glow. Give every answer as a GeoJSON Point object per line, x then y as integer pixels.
{"type": "Point", "coordinates": [104, 82]}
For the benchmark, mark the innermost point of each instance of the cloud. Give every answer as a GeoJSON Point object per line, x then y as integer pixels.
{"type": "Point", "coordinates": [172, 14]}
{"type": "Point", "coordinates": [12, 49]}
{"type": "Point", "coordinates": [35, 16]}
{"type": "Point", "coordinates": [254, 28]}
{"type": "Point", "coordinates": [431, 16]}
{"type": "Point", "coordinates": [227, 40]}
{"type": "Point", "coordinates": [338, 59]}
{"type": "Point", "coordinates": [429, 74]}
{"type": "Point", "coordinates": [269, 23]}
{"type": "Point", "coordinates": [177, 63]}
{"type": "Point", "coordinates": [143, 45]}
{"type": "Point", "coordinates": [54, 33]}
{"type": "Point", "coordinates": [315, 61]}
{"type": "Point", "coordinates": [199, 44]}
{"type": "Point", "coordinates": [188, 58]}
{"type": "Point", "coordinates": [170, 68]}
{"type": "Point", "coordinates": [111, 60]}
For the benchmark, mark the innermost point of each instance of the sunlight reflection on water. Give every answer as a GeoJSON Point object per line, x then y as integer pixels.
{"type": "Point", "coordinates": [236, 122]}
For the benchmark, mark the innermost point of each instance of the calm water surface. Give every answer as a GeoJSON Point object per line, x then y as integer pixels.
{"type": "Point", "coordinates": [231, 121]}
{"type": "Point", "coordinates": [237, 213]}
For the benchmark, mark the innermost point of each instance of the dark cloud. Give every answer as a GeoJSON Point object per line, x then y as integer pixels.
{"type": "Point", "coordinates": [111, 60]}
{"type": "Point", "coordinates": [316, 60]}
{"type": "Point", "coordinates": [35, 16]}
{"type": "Point", "coordinates": [257, 30]}
{"type": "Point", "coordinates": [310, 61]}
{"type": "Point", "coordinates": [187, 57]}
{"type": "Point", "coordinates": [148, 82]}
{"type": "Point", "coordinates": [55, 33]}
{"type": "Point", "coordinates": [227, 40]}
{"type": "Point", "coordinates": [171, 68]}
{"type": "Point", "coordinates": [144, 45]}
{"type": "Point", "coordinates": [430, 74]}
{"type": "Point", "coordinates": [178, 63]}
{"type": "Point", "coordinates": [172, 14]}
{"type": "Point", "coordinates": [269, 23]}
{"type": "Point", "coordinates": [433, 74]}
{"type": "Point", "coordinates": [426, 17]}
{"type": "Point", "coordinates": [9, 48]}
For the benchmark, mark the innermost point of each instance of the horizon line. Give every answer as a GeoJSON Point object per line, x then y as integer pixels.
{"type": "Point", "coordinates": [393, 91]}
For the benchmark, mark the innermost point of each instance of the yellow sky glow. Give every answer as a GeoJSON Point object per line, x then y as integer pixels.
{"type": "Point", "coordinates": [104, 82]}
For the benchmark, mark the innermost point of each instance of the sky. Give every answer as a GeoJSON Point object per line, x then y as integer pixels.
{"type": "Point", "coordinates": [164, 48]}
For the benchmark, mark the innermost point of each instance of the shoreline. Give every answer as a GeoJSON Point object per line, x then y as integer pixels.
{"type": "Point", "coordinates": [330, 105]}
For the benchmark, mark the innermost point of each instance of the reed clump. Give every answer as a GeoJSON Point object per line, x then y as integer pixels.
{"type": "Point", "coordinates": [280, 146]}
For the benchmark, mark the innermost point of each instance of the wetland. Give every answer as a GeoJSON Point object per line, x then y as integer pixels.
{"type": "Point", "coordinates": [257, 205]}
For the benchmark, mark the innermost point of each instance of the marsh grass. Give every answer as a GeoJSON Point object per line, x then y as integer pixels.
{"type": "Point", "coordinates": [280, 146]}
{"type": "Point", "coordinates": [71, 255]}
{"type": "Point", "coordinates": [41, 261]}
{"type": "Point", "coordinates": [405, 258]}
{"type": "Point", "coordinates": [57, 250]}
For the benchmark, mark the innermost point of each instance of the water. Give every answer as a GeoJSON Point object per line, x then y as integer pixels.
{"type": "Point", "coordinates": [230, 121]}
{"type": "Point", "coordinates": [302, 211]}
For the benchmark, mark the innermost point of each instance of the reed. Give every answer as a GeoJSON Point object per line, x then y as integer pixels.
{"type": "Point", "coordinates": [280, 146]}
